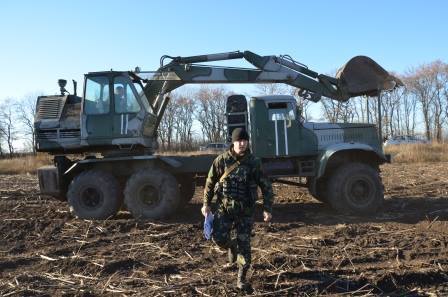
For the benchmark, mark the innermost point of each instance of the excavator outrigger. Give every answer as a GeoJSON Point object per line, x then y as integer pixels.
{"type": "Point", "coordinates": [341, 159]}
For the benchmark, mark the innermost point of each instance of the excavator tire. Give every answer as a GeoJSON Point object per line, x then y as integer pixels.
{"type": "Point", "coordinates": [94, 195]}
{"type": "Point", "coordinates": [355, 188]}
{"type": "Point", "coordinates": [151, 194]}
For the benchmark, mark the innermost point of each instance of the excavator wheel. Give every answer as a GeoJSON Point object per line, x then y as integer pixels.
{"type": "Point", "coordinates": [151, 194]}
{"type": "Point", "coordinates": [94, 195]}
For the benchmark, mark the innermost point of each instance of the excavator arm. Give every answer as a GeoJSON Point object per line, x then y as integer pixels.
{"type": "Point", "coordinates": [360, 76]}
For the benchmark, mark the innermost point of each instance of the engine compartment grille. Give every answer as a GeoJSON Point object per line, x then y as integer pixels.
{"type": "Point", "coordinates": [50, 108]}
{"type": "Point", "coordinates": [69, 133]}
{"type": "Point", "coordinates": [58, 133]}
{"type": "Point", "coordinates": [47, 134]}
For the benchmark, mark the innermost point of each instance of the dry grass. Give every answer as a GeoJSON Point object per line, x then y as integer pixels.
{"type": "Point", "coordinates": [27, 164]}
{"type": "Point", "coordinates": [417, 153]}
{"type": "Point", "coordinates": [410, 153]}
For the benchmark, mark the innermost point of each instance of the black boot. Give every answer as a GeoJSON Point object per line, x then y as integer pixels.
{"type": "Point", "coordinates": [242, 283]}
{"type": "Point", "coordinates": [232, 253]}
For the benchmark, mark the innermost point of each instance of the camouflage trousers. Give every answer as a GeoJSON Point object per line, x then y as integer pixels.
{"type": "Point", "coordinates": [224, 224]}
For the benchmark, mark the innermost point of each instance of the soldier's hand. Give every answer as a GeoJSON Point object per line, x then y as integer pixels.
{"type": "Point", "coordinates": [267, 216]}
{"type": "Point", "coordinates": [205, 210]}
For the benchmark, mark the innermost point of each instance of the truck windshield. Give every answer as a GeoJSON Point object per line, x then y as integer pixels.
{"type": "Point", "coordinates": [281, 111]}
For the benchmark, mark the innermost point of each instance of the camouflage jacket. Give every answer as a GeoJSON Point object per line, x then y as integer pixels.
{"type": "Point", "coordinates": [255, 176]}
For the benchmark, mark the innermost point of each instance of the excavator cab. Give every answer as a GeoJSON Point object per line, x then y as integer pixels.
{"type": "Point", "coordinates": [113, 115]}
{"type": "Point", "coordinates": [115, 111]}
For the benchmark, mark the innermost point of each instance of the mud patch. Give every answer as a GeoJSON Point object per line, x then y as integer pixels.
{"type": "Point", "coordinates": [307, 250]}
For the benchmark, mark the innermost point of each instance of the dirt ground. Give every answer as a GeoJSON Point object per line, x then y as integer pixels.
{"type": "Point", "coordinates": [307, 250]}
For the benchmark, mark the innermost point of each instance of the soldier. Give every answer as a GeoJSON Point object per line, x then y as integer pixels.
{"type": "Point", "coordinates": [233, 179]}
{"type": "Point", "coordinates": [120, 100]}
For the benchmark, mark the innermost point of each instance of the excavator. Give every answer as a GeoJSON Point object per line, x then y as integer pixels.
{"type": "Point", "coordinates": [116, 120]}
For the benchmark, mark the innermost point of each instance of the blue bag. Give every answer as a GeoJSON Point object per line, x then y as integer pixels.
{"type": "Point", "coordinates": [208, 226]}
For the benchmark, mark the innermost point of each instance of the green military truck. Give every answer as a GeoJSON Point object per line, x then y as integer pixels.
{"type": "Point", "coordinates": [114, 124]}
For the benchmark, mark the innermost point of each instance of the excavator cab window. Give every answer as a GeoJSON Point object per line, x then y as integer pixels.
{"type": "Point", "coordinates": [142, 96]}
{"type": "Point", "coordinates": [125, 99]}
{"type": "Point", "coordinates": [97, 99]}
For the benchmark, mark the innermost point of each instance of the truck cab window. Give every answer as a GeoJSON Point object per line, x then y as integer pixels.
{"type": "Point", "coordinates": [125, 99]}
{"type": "Point", "coordinates": [97, 99]}
{"type": "Point", "coordinates": [281, 111]}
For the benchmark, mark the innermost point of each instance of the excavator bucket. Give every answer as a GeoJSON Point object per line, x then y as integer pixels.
{"type": "Point", "coordinates": [363, 76]}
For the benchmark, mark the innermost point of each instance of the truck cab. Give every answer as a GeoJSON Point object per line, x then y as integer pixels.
{"type": "Point", "coordinates": [290, 147]}
{"type": "Point", "coordinates": [277, 128]}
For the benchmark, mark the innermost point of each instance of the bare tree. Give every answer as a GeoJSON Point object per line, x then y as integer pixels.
{"type": "Point", "coordinates": [26, 109]}
{"type": "Point", "coordinates": [8, 128]}
{"type": "Point", "coordinates": [184, 121]}
{"type": "Point", "coordinates": [389, 104]}
{"type": "Point", "coordinates": [445, 88]}
{"type": "Point", "coordinates": [1, 141]}
{"type": "Point", "coordinates": [272, 89]}
{"type": "Point", "coordinates": [336, 111]}
{"type": "Point", "coordinates": [166, 127]}
{"type": "Point", "coordinates": [440, 77]}
{"type": "Point", "coordinates": [423, 83]}
{"type": "Point", "coordinates": [211, 104]}
{"type": "Point", "coordinates": [408, 112]}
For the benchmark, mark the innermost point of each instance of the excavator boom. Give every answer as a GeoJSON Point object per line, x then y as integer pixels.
{"type": "Point", "coordinates": [360, 76]}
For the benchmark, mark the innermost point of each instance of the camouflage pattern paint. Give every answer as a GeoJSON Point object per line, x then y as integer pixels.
{"type": "Point", "coordinates": [62, 125]}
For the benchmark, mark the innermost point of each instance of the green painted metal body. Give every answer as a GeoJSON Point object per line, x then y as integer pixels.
{"type": "Point", "coordinates": [276, 130]}
{"type": "Point", "coordinates": [105, 120]}
{"type": "Point", "coordinates": [285, 143]}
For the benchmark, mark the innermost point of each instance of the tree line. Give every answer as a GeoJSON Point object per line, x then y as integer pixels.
{"type": "Point", "coordinates": [197, 116]}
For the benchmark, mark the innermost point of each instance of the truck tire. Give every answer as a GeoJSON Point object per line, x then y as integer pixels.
{"type": "Point", "coordinates": [94, 195]}
{"type": "Point", "coordinates": [151, 194]}
{"type": "Point", "coordinates": [187, 187]}
{"type": "Point", "coordinates": [355, 188]}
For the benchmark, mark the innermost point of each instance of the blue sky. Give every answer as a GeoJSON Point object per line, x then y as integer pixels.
{"type": "Point", "coordinates": [42, 41]}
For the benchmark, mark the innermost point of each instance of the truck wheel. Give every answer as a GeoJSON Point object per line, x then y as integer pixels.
{"type": "Point", "coordinates": [94, 195]}
{"type": "Point", "coordinates": [187, 187]}
{"type": "Point", "coordinates": [355, 188]}
{"type": "Point", "coordinates": [151, 194]}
